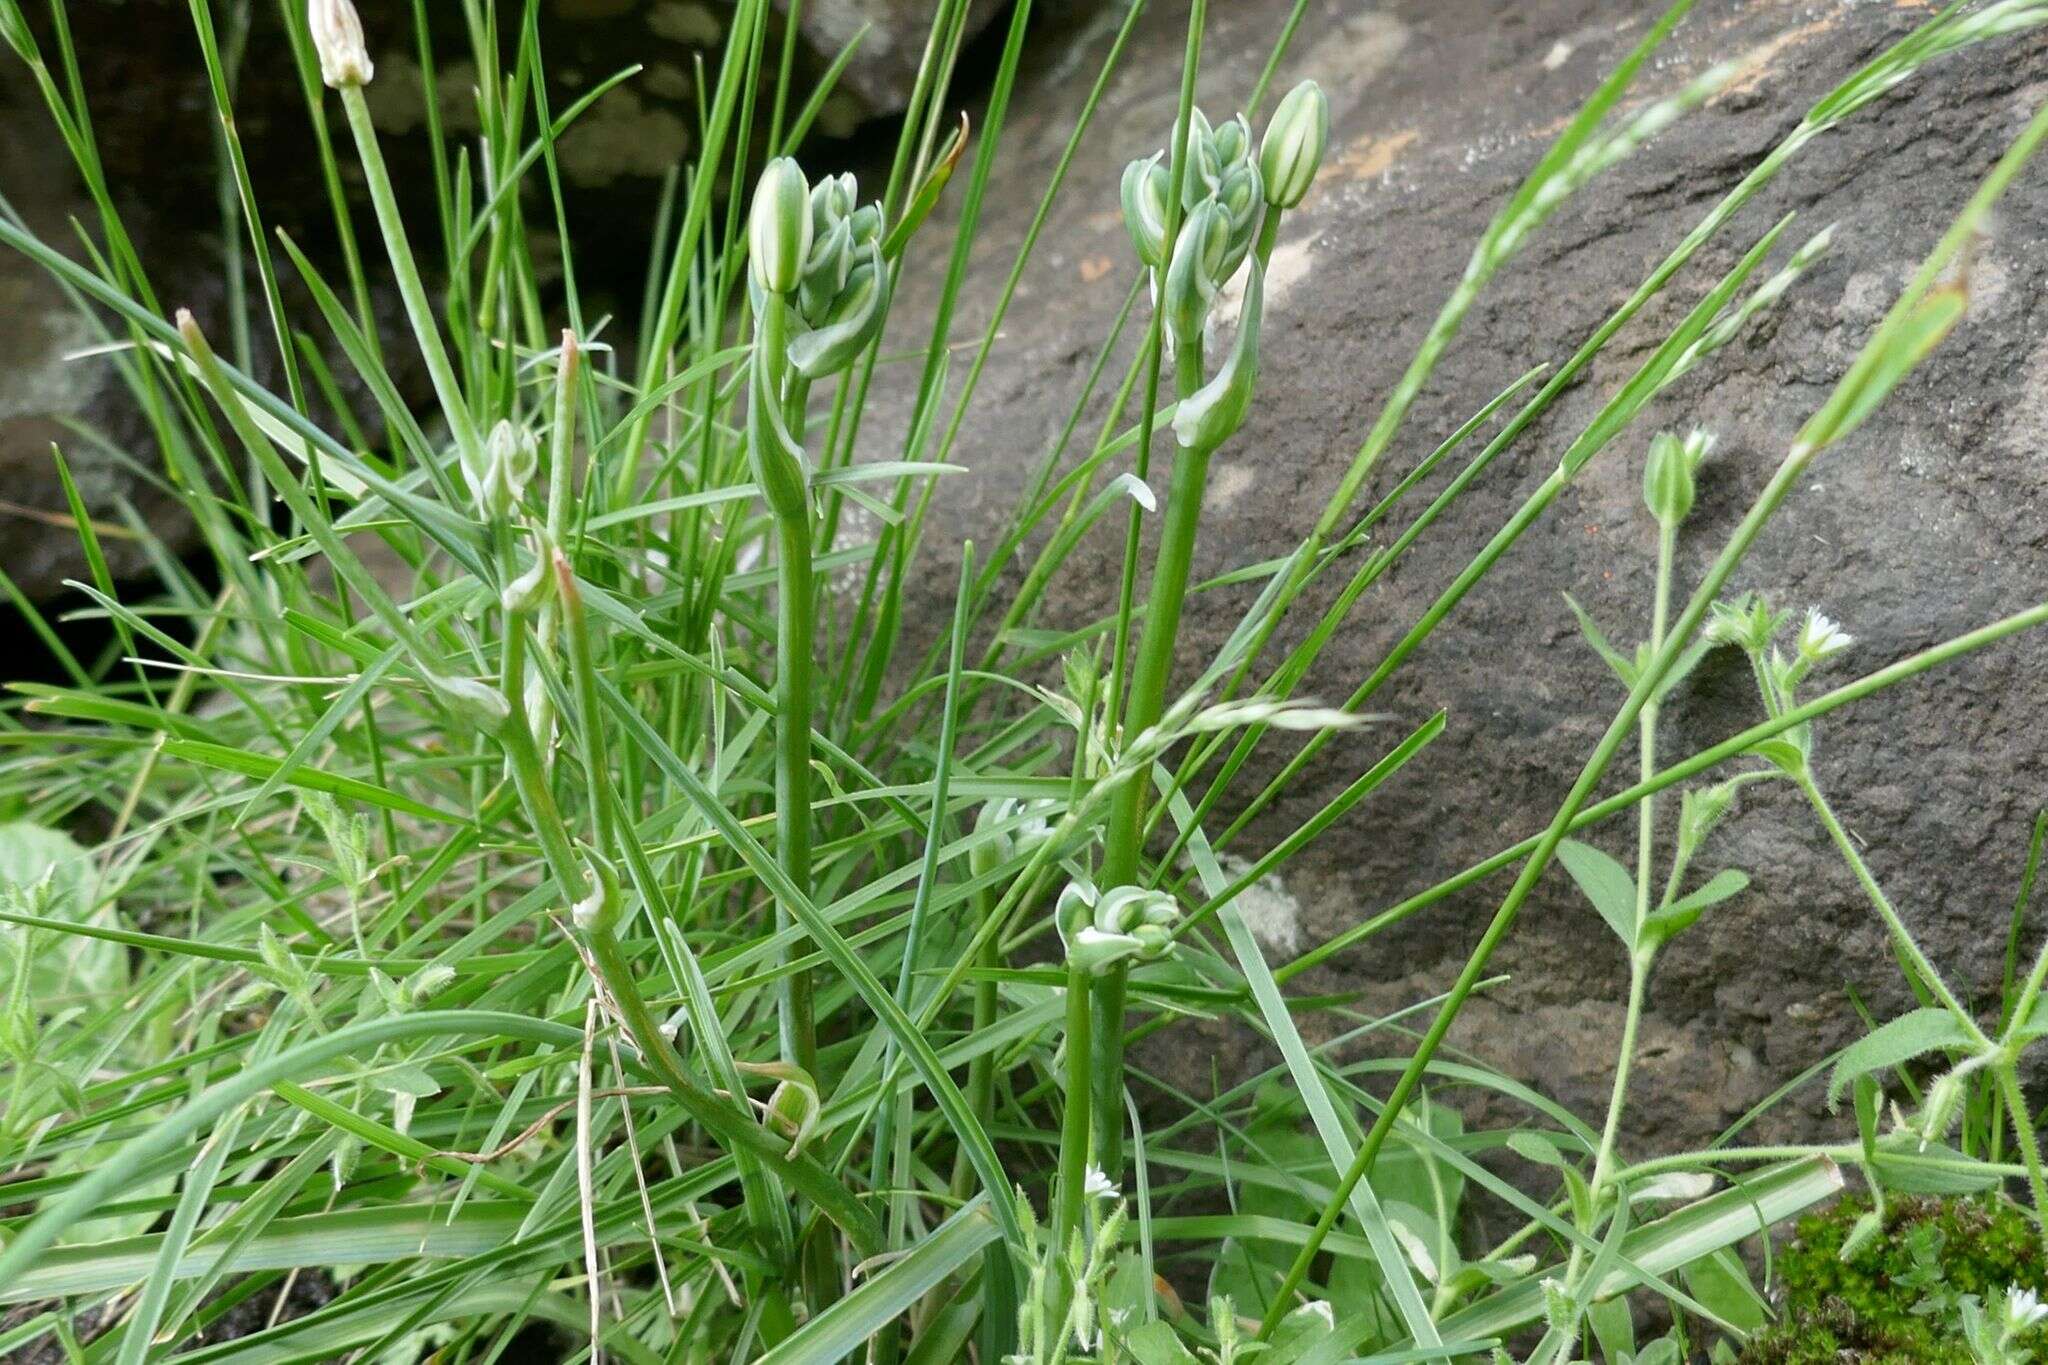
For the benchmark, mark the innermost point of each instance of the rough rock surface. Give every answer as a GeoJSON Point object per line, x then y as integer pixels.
{"type": "Point", "coordinates": [1926, 524]}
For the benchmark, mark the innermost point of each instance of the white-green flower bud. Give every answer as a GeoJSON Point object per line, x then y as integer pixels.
{"type": "Point", "coordinates": [1205, 168]}
{"type": "Point", "coordinates": [1103, 929]}
{"type": "Point", "coordinates": [832, 256]}
{"type": "Point", "coordinates": [779, 228]}
{"type": "Point", "coordinates": [1292, 150]}
{"type": "Point", "coordinates": [852, 320]}
{"type": "Point", "coordinates": [1196, 272]}
{"type": "Point", "coordinates": [1243, 197]}
{"type": "Point", "coordinates": [1146, 191]}
{"type": "Point", "coordinates": [509, 460]}
{"type": "Point", "coordinates": [1667, 480]}
{"type": "Point", "coordinates": [832, 199]}
{"type": "Point", "coordinates": [1233, 143]}
{"type": "Point", "coordinates": [1820, 637]}
{"type": "Point", "coordinates": [338, 40]}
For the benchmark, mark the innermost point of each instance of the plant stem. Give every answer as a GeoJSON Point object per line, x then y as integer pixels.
{"type": "Point", "coordinates": [1640, 958]}
{"type": "Point", "coordinates": [794, 628]}
{"type": "Point", "coordinates": [1151, 673]}
{"type": "Point", "coordinates": [1910, 950]}
{"type": "Point", "coordinates": [803, 1173]}
{"type": "Point", "coordinates": [1074, 1132]}
{"type": "Point", "coordinates": [2030, 1142]}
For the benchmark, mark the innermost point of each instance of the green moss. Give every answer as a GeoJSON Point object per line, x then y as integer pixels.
{"type": "Point", "coordinates": [1895, 1303]}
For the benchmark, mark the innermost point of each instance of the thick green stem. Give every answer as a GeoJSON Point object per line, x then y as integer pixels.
{"type": "Point", "coordinates": [1072, 1193]}
{"type": "Point", "coordinates": [1151, 673]}
{"type": "Point", "coordinates": [795, 609]}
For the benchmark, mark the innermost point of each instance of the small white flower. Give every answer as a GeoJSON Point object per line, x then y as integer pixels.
{"type": "Point", "coordinates": [1820, 637]}
{"type": "Point", "coordinates": [1097, 1185]}
{"type": "Point", "coordinates": [2023, 1308]}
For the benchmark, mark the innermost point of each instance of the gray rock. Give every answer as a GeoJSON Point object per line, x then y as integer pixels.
{"type": "Point", "coordinates": [1926, 524]}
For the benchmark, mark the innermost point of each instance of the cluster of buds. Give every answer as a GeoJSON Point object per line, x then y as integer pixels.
{"type": "Point", "coordinates": [820, 251]}
{"type": "Point", "coordinates": [1231, 196]}
{"type": "Point", "coordinates": [500, 470]}
{"type": "Point", "coordinates": [1103, 928]}
{"type": "Point", "coordinates": [819, 285]}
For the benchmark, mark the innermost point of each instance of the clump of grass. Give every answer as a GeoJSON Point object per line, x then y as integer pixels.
{"type": "Point", "coordinates": [585, 917]}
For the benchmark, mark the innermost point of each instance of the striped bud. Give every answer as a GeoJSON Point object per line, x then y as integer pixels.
{"type": "Point", "coordinates": [779, 228]}
{"type": "Point", "coordinates": [1295, 140]}
{"type": "Point", "coordinates": [1146, 190]}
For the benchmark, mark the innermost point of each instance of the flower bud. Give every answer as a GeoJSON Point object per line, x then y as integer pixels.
{"type": "Point", "coordinates": [338, 39]}
{"type": "Point", "coordinates": [1667, 480]}
{"type": "Point", "coordinates": [1205, 168]}
{"type": "Point", "coordinates": [1196, 272]}
{"type": "Point", "coordinates": [779, 228]}
{"type": "Point", "coordinates": [832, 256]}
{"type": "Point", "coordinates": [1145, 190]}
{"type": "Point", "coordinates": [509, 460]}
{"type": "Point", "coordinates": [1233, 143]}
{"type": "Point", "coordinates": [865, 224]}
{"type": "Point", "coordinates": [832, 200]}
{"type": "Point", "coordinates": [1820, 637]}
{"type": "Point", "coordinates": [852, 320]}
{"type": "Point", "coordinates": [1242, 195]}
{"type": "Point", "coordinates": [1295, 140]}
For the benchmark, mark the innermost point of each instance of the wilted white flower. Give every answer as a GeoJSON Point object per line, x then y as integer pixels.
{"type": "Point", "coordinates": [1820, 637]}
{"type": "Point", "coordinates": [338, 39]}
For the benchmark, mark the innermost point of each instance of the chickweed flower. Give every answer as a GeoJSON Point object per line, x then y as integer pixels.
{"type": "Point", "coordinates": [1820, 637]}
{"type": "Point", "coordinates": [1295, 140]}
{"type": "Point", "coordinates": [2023, 1310]}
{"type": "Point", "coordinates": [338, 39]}
{"type": "Point", "coordinates": [779, 227]}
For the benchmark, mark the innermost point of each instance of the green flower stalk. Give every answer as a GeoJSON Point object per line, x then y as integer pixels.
{"type": "Point", "coordinates": [820, 294]}
{"type": "Point", "coordinates": [1231, 216]}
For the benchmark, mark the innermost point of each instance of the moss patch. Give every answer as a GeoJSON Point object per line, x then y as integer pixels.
{"type": "Point", "coordinates": [1895, 1303]}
